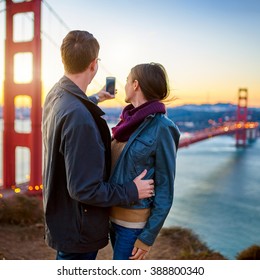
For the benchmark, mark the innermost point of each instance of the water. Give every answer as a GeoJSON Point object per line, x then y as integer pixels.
{"type": "Point", "coordinates": [217, 193]}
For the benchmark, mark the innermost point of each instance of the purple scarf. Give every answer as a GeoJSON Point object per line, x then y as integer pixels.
{"type": "Point", "coordinates": [132, 117]}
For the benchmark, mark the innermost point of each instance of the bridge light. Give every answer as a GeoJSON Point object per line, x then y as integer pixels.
{"type": "Point", "coordinates": [17, 190]}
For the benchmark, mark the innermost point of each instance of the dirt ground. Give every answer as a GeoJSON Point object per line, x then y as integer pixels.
{"type": "Point", "coordinates": [27, 243]}
{"type": "Point", "coordinates": [22, 237]}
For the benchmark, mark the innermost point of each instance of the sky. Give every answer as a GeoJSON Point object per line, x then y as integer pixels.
{"type": "Point", "coordinates": [210, 48]}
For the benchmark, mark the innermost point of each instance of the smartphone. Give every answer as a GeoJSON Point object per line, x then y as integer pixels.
{"type": "Point", "coordinates": [111, 85]}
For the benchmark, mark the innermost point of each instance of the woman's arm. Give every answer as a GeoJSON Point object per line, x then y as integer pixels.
{"type": "Point", "coordinates": [165, 165]}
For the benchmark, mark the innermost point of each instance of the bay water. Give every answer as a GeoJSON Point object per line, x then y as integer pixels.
{"type": "Point", "coordinates": [217, 194]}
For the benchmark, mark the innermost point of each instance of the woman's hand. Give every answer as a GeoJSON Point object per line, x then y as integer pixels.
{"type": "Point", "coordinates": [138, 254]}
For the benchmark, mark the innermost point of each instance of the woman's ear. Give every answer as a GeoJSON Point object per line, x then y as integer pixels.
{"type": "Point", "coordinates": [136, 85]}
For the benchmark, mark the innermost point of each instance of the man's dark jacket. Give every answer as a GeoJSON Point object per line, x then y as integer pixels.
{"type": "Point", "coordinates": [76, 142]}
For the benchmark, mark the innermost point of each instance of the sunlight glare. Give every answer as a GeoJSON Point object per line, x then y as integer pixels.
{"type": "Point", "coordinates": [23, 65]}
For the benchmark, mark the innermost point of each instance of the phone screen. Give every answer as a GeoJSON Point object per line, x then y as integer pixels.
{"type": "Point", "coordinates": [110, 85]}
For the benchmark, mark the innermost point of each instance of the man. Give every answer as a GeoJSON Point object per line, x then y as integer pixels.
{"type": "Point", "coordinates": [76, 142]}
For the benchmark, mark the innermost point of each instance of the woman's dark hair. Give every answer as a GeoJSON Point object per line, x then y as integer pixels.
{"type": "Point", "coordinates": [78, 50]}
{"type": "Point", "coordinates": [152, 79]}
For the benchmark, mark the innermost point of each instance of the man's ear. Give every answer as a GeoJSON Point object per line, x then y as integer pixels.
{"type": "Point", "coordinates": [92, 65]}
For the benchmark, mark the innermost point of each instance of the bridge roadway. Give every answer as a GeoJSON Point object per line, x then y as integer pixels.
{"type": "Point", "coordinates": [225, 128]}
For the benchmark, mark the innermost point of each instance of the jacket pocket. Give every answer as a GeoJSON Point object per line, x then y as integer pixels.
{"type": "Point", "coordinates": [142, 145]}
{"type": "Point", "coordinates": [94, 224]}
{"type": "Point", "coordinates": [141, 155]}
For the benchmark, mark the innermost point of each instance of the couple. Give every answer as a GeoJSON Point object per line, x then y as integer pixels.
{"type": "Point", "coordinates": [94, 187]}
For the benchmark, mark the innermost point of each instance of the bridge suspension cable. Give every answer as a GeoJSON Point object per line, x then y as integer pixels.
{"type": "Point", "coordinates": [59, 19]}
{"type": "Point", "coordinates": [56, 15]}
{"type": "Point", "coordinates": [103, 67]}
{"type": "Point", "coordinates": [63, 24]}
{"type": "Point", "coordinates": [67, 28]}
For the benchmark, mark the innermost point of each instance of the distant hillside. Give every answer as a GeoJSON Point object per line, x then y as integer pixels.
{"type": "Point", "coordinates": [194, 117]}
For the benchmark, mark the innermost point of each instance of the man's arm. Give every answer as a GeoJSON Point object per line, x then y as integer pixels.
{"type": "Point", "coordinates": [84, 159]}
{"type": "Point", "coordinates": [101, 96]}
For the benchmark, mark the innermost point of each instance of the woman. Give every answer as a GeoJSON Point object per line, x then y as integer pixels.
{"type": "Point", "coordinates": [143, 139]}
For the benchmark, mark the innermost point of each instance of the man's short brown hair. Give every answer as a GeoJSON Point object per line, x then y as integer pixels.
{"type": "Point", "coordinates": [78, 50]}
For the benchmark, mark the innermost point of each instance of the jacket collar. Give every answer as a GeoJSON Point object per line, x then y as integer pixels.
{"type": "Point", "coordinates": [145, 123]}
{"type": "Point", "coordinates": [73, 89]}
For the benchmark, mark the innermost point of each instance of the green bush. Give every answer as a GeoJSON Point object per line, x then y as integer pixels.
{"type": "Point", "coordinates": [21, 210]}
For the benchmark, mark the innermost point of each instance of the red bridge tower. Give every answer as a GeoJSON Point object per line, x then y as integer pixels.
{"type": "Point", "coordinates": [15, 48]}
{"type": "Point", "coordinates": [241, 136]}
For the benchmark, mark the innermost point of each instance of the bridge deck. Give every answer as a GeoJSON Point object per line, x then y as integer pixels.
{"type": "Point", "coordinates": [226, 128]}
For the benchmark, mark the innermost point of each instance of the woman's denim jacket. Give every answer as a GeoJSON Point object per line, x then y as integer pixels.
{"type": "Point", "coordinates": [153, 147]}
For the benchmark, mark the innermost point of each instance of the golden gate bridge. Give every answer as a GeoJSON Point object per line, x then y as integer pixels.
{"type": "Point", "coordinates": [243, 130]}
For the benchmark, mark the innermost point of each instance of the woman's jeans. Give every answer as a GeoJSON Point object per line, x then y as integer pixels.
{"type": "Point", "coordinates": [122, 240]}
{"type": "Point", "coordinates": [76, 256]}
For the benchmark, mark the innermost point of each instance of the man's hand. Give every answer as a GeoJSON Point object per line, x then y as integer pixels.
{"type": "Point", "coordinates": [145, 187]}
{"type": "Point", "coordinates": [104, 95]}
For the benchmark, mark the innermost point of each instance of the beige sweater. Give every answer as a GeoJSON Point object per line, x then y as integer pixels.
{"type": "Point", "coordinates": [131, 218]}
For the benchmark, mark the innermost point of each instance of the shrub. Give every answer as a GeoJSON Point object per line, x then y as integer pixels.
{"type": "Point", "coordinates": [183, 244]}
{"type": "Point", "coordinates": [20, 210]}
{"type": "Point", "coordinates": [251, 253]}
